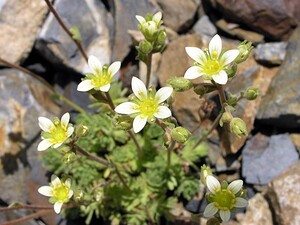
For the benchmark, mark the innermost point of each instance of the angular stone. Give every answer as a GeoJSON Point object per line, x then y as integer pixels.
{"type": "Point", "coordinates": [91, 18]}
{"type": "Point", "coordinates": [258, 212]}
{"type": "Point", "coordinates": [274, 18]}
{"type": "Point", "coordinates": [281, 105]}
{"type": "Point", "coordinates": [205, 27]}
{"type": "Point", "coordinates": [270, 54]}
{"type": "Point", "coordinates": [283, 194]}
{"type": "Point", "coordinates": [23, 99]}
{"type": "Point", "coordinates": [20, 22]}
{"type": "Point", "coordinates": [178, 14]}
{"type": "Point", "coordinates": [124, 12]}
{"type": "Point", "coordinates": [265, 158]}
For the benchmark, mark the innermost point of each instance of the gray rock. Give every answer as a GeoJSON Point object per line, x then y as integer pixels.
{"type": "Point", "coordinates": [270, 53]}
{"type": "Point", "coordinates": [265, 158]}
{"type": "Point", "coordinates": [258, 212]}
{"type": "Point", "coordinates": [91, 18]}
{"type": "Point", "coordinates": [205, 27]}
{"type": "Point", "coordinates": [23, 99]}
{"type": "Point", "coordinates": [177, 14]}
{"type": "Point", "coordinates": [283, 194]}
{"type": "Point", "coordinates": [20, 22]}
{"type": "Point", "coordinates": [124, 12]}
{"type": "Point", "coordinates": [281, 105]}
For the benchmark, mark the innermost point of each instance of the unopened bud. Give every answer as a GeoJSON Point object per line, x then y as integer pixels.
{"type": "Point", "coordinates": [123, 122]}
{"type": "Point", "coordinates": [205, 171]}
{"type": "Point", "coordinates": [180, 84]}
{"type": "Point", "coordinates": [238, 127]}
{"type": "Point", "coordinates": [251, 93]}
{"type": "Point", "coordinates": [82, 130]}
{"type": "Point", "coordinates": [78, 195]}
{"type": "Point", "coordinates": [180, 134]}
{"type": "Point", "coordinates": [202, 89]}
{"type": "Point", "coordinates": [226, 118]}
{"type": "Point", "coordinates": [145, 47]}
{"type": "Point", "coordinates": [245, 49]}
{"type": "Point", "coordinates": [213, 221]}
{"type": "Point", "coordinates": [69, 157]}
{"type": "Point", "coordinates": [231, 70]}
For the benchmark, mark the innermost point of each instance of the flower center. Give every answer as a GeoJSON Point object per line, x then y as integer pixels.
{"type": "Point", "coordinates": [61, 192]}
{"type": "Point", "coordinates": [212, 67]}
{"type": "Point", "coordinates": [101, 79]}
{"type": "Point", "coordinates": [148, 107]}
{"type": "Point", "coordinates": [224, 199]}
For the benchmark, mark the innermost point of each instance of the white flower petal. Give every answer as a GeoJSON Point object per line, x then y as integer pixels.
{"type": "Point", "coordinates": [140, 19]}
{"type": "Point", "coordinates": [210, 210]}
{"type": "Point", "coordinates": [68, 182]}
{"type": "Point", "coordinates": [127, 108]}
{"type": "Point", "coordinates": [241, 202]}
{"type": "Point", "coordinates": [193, 72]}
{"type": "Point", "coordinates": [45, 124]}
{"type": "Point", "coordinates": [55, 180]}
{"type": "Point", "coordinates": [163, 112]}
{"type": "Point", "coordinates": [105, 88]}
{"type": "Point", "coordinates": [157, 17]}
{"type": "Point", "coordinates": [220, 78]}
{"type": "Point", "coordinates": [215, 46]}
{"type": "Point", "coordinates": [94, 64]}
{"type": "Point", "coordinates": [139, 123]}
{"type": "Point", "coordinates": [229, 56]}
{"type": "Point", "coordinates": [138, 88]}
{"type": "Point", "coordinates": [70, 131]}
{"type": "Point", "coordinates": [70, 194]}
{"type": "Point", "coordinates": [85, 85]}
{"type": "Point", "coordinates": [163, 94]}
{"type": "Point", "coordinates": [45, 190]}
{"type": "Point", "coordinates": [212, 184]}
{"type": "Point", "coordinates": [65, 120]}
{"type": "Point", "coordinates": [225, 215]}
{"type": "Point", "coordinates": [44, 145]}
{"type": "Point", "coordinates": [196, 54]}
{"type": "Point", "coordinates": [57, 207]}
{"type": "Point", "coordinates": [235, 186]}
{"type": "Point", "coordinates": [57, 145]}
{"type": "Point", "coordinates": [114, 68]}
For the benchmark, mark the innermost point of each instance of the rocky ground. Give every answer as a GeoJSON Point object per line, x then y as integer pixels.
{"type": "Point", "coordinates": [267, 160]}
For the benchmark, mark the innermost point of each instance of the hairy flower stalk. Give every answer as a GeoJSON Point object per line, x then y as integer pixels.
{"type": "Point", "coordinates": [54, 133]}
{"type": "Point", "coordinates": [146, 105]}
{"type": "Point", "coordinates": [223, 198]}
{"type": "Point", "coordinates": [59, 192]}
{"type": "Point", "coordinates": [211, 64]}
{"type": "Point", "coordinates": [101, 76]}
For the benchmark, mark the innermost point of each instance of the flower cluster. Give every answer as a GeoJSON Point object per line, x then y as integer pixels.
{"type": "Point", "coordinates": [211, 64]}
{"type": "Point", "coordinates": [223, 198]}
{"type": "Point", "coordinates": [59, 192]}
{"type": "Point", "coordinates": [54, 133]}
{"type": "Point", "coordinates": [146, 105]}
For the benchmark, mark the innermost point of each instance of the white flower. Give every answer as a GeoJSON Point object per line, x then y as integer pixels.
{"type": "Point", "coordinates": [101, 76]}
{"type": "Point", "coordinates": [223, 200]}
{"type": "Point", "coordinates": [211, 64]}
{"type": "Point", "coordinates": [149, 25]}
{"type": "Point", "coordinates": [60, 192]}
{"type": "Point", "coordinates": [147, 105]}
{"type": "Point", "coordinates": [54, 133]}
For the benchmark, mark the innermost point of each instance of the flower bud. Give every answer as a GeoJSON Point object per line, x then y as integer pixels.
{"type": "Point", "coordinates": [69, 157]}
{"type": "Point", "coordinates": [162, 37]}
{"type": "Point", "coordinates": [180, 84]}
{"type": "Point", "coordinates": [238, 127]}
{"type": "Point", "coordinates": [180, 134]}
{"type": "Point", "coordinates": [123, 122]}
{"type": "Point", "coordinates": [82, 130]}
{"type": "Point", "coordinates": [202, 89]}
{"type": "Point", "coordinates": [213, 221]}
{"type": "Point", "coordinates": [78, 195]}
{"type": "Point", "coordinates": [251, 93]}
{"type": "Point", "coordinates": [231, 70]}
{"type": "Point", "coordinates": [145, 47]}
{"type": "Point", "coordinates": [245, 49]}
{"type": "Point", "coordinates": [226, 118]}
{"type": "Point", "coordinates": [205, 171]}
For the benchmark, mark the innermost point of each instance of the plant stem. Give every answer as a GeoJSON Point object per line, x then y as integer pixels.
{"type": "Point", "coordinates": [59, 96]}
{"type": "Point", "coordinates": [110, 101]}
{"type": "Point", "coordinates": [61, 23]}
{"type": "Point", "coordinates": [121, 178]}
{"type": "Point", "coordinates": [34, 207]}
{"type": "Point", "coordinates": [170, 149]}
{"type": "Point", "coordinates": [29, 217]}
{"type": "Point", "coordinates": [133, 137]}
{"type": "Point", "coordinates": [91, 156]}
{"type": "Point", "coordinates": [149, 65]}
